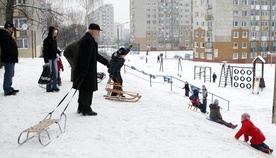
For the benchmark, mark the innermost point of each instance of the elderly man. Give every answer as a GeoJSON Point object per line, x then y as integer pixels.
{"type": "Point", "coordinates": [85, 73]}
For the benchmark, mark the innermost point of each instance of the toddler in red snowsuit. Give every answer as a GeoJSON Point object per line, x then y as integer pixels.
{"type": "Point", "coordinates": [60, 67]}
{"type": "Point", "coordinates": [258, 138]}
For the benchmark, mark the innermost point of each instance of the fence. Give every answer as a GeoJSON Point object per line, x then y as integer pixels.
{"type": "Point", "coordinates": [170, 79]}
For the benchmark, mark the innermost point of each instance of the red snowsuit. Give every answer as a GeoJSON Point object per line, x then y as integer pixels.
{"type": "Point", "coordinates": [248, 129]}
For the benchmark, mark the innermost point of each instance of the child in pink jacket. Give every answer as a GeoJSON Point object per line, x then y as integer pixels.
{"type": "Point", "coordinates": [258, 138]}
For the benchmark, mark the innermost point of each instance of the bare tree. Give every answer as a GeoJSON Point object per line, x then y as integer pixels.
{"type": "Point", "coordinates": [89, 6]}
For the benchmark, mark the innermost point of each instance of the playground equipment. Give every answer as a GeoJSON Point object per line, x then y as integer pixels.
{"type": "Point", "coordinates": [243, 76]}
{"type": "Point", "coordinates": [200, 71]}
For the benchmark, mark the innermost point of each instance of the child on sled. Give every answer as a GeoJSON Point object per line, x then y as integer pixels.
{"type": "Point", "coordinates": [216, 116]}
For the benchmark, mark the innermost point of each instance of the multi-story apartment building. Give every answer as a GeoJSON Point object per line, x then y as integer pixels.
{"type": "Point", "coordinates": [104, 16]}
{"type": "Point", "coordinates": [28, 37]}
{"type": "Point", "coordinates": [234, 30]}
{"type": "Point", "coordinates": [161, 24]}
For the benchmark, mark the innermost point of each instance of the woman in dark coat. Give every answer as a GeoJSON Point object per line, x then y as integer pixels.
{"type": "Point", "coordinates": [50, 52]}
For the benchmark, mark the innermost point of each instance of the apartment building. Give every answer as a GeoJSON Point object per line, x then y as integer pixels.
{"type": "Point", "coordinates": [104, 16]}
{"type": "Point", "coordinates": [234, 30]}
{"type": "Point", "coordinates": [161, 24]}
{"type": "Point", "coordinates": [25, 19]}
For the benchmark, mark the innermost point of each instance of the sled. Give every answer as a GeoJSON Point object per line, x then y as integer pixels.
{"type": "Point", "coordinates": [192, 107]}
{"type": "Point", "coordinates": [113, 87]}
{"type": "Point", "coordinates": [44, 125]}
{"type": "Point", "coordinates": [100, 76]}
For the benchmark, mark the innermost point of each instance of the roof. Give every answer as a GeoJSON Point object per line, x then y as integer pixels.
{"type": "Point", "coordinates": [260, 58]}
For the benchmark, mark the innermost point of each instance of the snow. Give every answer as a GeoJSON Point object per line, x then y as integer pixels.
{"type": "Point", "coordinates": [158, 125]}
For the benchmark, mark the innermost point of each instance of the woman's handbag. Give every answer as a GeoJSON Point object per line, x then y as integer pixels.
{"type": "Point", "coordinates": [46, 75]}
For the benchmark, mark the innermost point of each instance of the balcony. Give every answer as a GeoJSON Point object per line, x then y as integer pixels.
{"type": "Point", "coordinates": [254, 49]}
{"type": "Point", "coordinates": [264, 49]}
{"type": "Point", "coordinates": [209, 17]}
{"type": "Point", "coordinates": [264, 28]}
{"type": "Point", "coordinates": [208, 50]}
{"type": "Point", "coordinates": [208, 6]}
{"type": "Point", "coordinates": [273, 48]}
{"type": "Point", "coordinates": [264, 17]}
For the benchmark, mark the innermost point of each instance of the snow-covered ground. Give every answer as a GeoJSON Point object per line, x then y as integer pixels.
{"type": "Point", "coordinates": [158, 125]}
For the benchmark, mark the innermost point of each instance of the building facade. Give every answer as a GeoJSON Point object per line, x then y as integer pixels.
{"type": "Point", "coordinates": [161, 24]}
{"type": "Point", "coordinates": [234, 30]}
{"type": "Point", "coordinates": [29, 34]}
{"type": "Point", "coordinates": [104, 16]}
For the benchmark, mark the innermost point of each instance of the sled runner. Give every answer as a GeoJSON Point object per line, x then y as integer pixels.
{"type": "Point", "coordinates": [44, 125]}
{"type": "Point", "coordinates": [115, 92]}
{"type": "Point", "coordinates": [192, 107]}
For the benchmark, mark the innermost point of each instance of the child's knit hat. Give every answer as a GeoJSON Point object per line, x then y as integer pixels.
{"type": "Point", "coordinates": [245, 116]}
{"type": "Point", "coordinates": [216, 102]}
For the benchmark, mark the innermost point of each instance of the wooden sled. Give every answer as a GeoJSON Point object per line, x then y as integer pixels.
{"type": "Point", "coordinates": [112, 87]}
{"type": "Point", "coordinates": [192, 107]}
{"type": "Point", "coordinates": [42, 127]}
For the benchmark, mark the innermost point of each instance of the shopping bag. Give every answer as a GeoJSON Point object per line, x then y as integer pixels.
{"type": "Point", "coordinates": [46, 75]}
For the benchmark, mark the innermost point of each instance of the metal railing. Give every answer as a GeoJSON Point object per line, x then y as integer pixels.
{"type": "Point", "coordinates": [169, 79]}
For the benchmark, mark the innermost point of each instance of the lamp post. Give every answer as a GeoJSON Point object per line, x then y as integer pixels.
{"type": "Point", "coordinates": [118, 34]}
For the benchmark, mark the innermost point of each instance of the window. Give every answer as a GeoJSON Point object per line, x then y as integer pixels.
{"type": "Point", "coordinates": [202, 34]}
{"type": "Point", "coordinates": [244, 2]}
{"type": "Point", "coordinates": [235, 34]}
{"type": "Point", "coordinates": [201, 55]}
{"type": "Point", "coordinates": [202, 44]}
{"type": "Point", "coordinates": [235, 45]}
{"type": "Point", "coordinates": [236, 13]}
{"type": "Point", "coordinates": [264, 54]}
{"type": "Point", "coordinates": [235, 55]}
{"type": "Point", "coordinates": [19, 2]}
{"type": "Point", "coordinates": [244, 24]}
{"type": "Point", "coordinates": [19, 22]}
{"type": "Point", "coordinates": [244, 34]}
{"type": "Point", "coordinates": [244, 55]}
{"type": "Point", "coordinates": [196, 34]}
{"type": "Point", "coordinates": [244, 45]}
{"type": "Point", "coordinates": [253, 54]}
{"type": "Point", "coordinates": [196, 45]}
{"type": "Point", "coordinates": [236, 2]}
{"type": "Point", "coordinates": [22, 43]}
{"type": "Point", "coordinates": [196, 54]}
{"type": "Point", "coordinates": [244, 13]}
{"type": "Point", "coordinates": [235, 23]}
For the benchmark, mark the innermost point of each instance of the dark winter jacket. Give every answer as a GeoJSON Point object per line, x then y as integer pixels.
{"type": "Point", "coordinates": [248, 129]}
{"type": "Point", "coordinates": [71, 53]}
{"type": "Point", "coordinates": [186, 87]}
{"type": "Point", "coordinates": [214, 76]}
{"type": "Point", "coordinates": [215, 113]}
{"type": "Point", "coordinates": [86, 64]}
{"type": "Point", "coordinates": [9, 50]}
{"type": "Point", "coordinates": [50, 50]}
{"type": "Point", "coordinates": [194, 98]}
{"type": "Point", "coordinates": [115, 64]}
